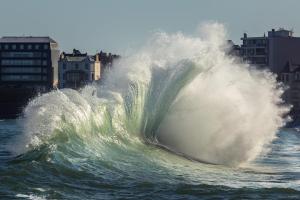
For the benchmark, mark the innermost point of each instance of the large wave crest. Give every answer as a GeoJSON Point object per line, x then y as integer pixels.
{"type": "Point", "coordinates": [182, 93]}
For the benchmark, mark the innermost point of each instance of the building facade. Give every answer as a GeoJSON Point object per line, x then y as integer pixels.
{"type": "Point", "coordinates": [28, 65]}
{"type": "Point", "coordinates": [283, 48]}
{"type": "Point", "coordinates": [255, 50]}
{"type": "Point", "coordinates": [290, 76]}
{"type": "Point", "coordinates": [272, 51]}
{"type": "Point", "coordinates": [279, 52]}
{"type": "Point", "coordinates": [29, 61]}
{"type": "Point", "coordinates": [77, 69]}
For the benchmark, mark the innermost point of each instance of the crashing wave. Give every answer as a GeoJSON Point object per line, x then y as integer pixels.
{"type": "Point", "coordinates": [179, 92]}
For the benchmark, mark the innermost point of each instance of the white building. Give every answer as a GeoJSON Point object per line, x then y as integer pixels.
{"type": "Point", "coordinates": [77, 69]}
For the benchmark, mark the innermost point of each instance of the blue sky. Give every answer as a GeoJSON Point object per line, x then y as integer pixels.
{"type": "Point", "coordinates": [119, 26]}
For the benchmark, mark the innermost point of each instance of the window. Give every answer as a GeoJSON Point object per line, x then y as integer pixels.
{"type": "Point", "coordinates": [64, 66]}
{"type": "Point", "coordinates": [37, 46]}
{"type": "Point", "coordinates": [21, 62]}
{"type": "Point", "coordinates": [19, 54]}
{"type": "Point", "coordinates": [21, 70]}
{"type": "Point", "coordinates": [29, 46]}
{"type": "Point", "coordinates": [21, 78]}
{"type": "Point", "coordinates": [74, 76]}
{"type": "Point", "coordinates": [22, 46]}
{"type": "Point", "coordinates": [250, 52]}
{"type": "Point", "coordinates": [45, 46]}
{"type": "Point", "coordinates": [86, 66]}
{"type": "Point", "coordinates": [44, 62]}
{"type": "Point", "coordinates": [14, 46]}
{"type": "Point", "coordinates": [44, 55]}
{"type": "Point", "coordinates": [259, 60]}
{"type": "Point", "coordinates": [260, 51]}
{"type": "Point", "coordinates": [76, 66]}
{"type": "Point", "coordinates": [6, 46]}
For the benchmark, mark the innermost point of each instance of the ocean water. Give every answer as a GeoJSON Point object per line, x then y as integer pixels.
{"type": "Point", "coordinates": [177, 119]}
{"type": "Point", "coordinates": [145, 172]}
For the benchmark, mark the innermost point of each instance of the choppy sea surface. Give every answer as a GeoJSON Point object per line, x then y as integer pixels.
{"type": "Point", "coordinates": [142, 172]}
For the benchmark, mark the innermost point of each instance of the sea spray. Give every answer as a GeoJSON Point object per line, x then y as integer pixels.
{"type": "Point", "coordinates": [179, 92]}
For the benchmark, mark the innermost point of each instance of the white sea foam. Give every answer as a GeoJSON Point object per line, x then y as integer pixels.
{"type": "Point", "coordinates": [178, 91]}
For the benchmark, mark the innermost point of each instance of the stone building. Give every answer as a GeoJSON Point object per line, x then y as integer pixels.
{"type": "Point", "coordinates": [77, 69]}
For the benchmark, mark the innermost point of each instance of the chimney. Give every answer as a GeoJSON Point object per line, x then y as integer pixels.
{"type": "Point", "coordinates": [62, 55]}
{"type": "Point", "coordinates": [97, 58]}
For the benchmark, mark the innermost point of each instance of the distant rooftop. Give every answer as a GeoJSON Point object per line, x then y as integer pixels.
{"type": "Point", "coordinates": [78, 59]}
{"type": "Point", "coordinates": [281, 32]}
{"type": "Point", "coordinates": [26, 39]}
{"type": "Point", "coordinates": [75, 56]}
{"type": "Point", "coordinates": [75, 53]}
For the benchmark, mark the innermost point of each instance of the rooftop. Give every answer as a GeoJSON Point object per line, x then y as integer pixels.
{"type": "Point", "coordinates": [75, 56]}
{"type": "Point", "coordinates": [281, 32]}
{"type": "Point", "coordinates": [78, 58]}
{"type": "Point", "coordinates": [26, 39]}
